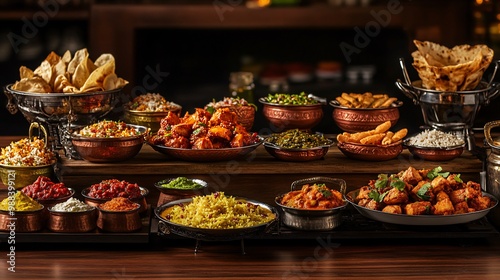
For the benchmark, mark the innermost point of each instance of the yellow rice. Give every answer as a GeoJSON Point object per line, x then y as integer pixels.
{"type": "Point", "coordinates": [217, 211]}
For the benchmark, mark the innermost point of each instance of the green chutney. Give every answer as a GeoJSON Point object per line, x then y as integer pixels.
{"type": "Point", "coordinates": [182, 183]}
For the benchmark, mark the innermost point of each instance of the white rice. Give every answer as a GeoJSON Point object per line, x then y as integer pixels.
{"type": "Point", "coordinates": [435, 139]}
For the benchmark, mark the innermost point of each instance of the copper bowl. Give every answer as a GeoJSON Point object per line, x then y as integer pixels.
{"type": "Point", "coordinates": [362, 119]}
{"type": "Point", "coordinates": [82, 221]}
{"type": "Point", "coordinates": [119, 221]}
{"type": "Point", "coordinates": [287, 154]}
{"type": "Point", "coordinates": [96, 201]}
{"type": "Point", "coordinates": [150, 120]}
{"type": "Point", "coordinates": [96, 149]}
{"type": "Point", "coordinates": [25, 221]}
{"type": "Point", "coordinates": [371, 152]}
{"type": "Point", "coordinates": [435, 153]}
{"type": "Point", "coordinates": [245, 115]}
{"type": "Point", "coordinates": [53, 201]}
{"type": "Point", "coordinates": [21, 176]}
{"type": "Point", "coordinates": [284, 117]}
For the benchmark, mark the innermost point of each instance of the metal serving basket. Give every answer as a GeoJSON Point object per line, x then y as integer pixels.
{"type": "Point", "coordinates": [450, 111]}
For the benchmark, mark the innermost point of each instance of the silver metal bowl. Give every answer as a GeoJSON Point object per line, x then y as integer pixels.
{"type": "Point", "coordinates": [304, 219]}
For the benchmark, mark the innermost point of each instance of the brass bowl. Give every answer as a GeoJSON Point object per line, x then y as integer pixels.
{"type": "Point", "coordinates": [435, 153]}
{"type": "Point", "coordinates": [362, 119]}
{"type": "Point", "coordinates": [287, 154]}
{"type": "Point", "coordinates": [25, 221]}
{"type": "Point", "coordinates": [150, 120]}
{"type": "Point", "coordinates": [284, 117]}
{"type": "Point", "coordinates": [21, 176]}
{"type": "Point", "coordinates": [119, 221]}
{"type": "Point", "coordinates": [92, 201]}
{"type": "Point", "coordinates": [97, 149]}
{"type": "Point", "coordinates": [82, 221]}
{"type": "Point", "coordinates": [371, 152]}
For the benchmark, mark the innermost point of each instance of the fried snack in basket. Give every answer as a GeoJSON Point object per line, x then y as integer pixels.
{"type": "Point", "coordinates": [458, 69]}
{"type": "Point", "coordinates": [381, 135]}
{"type": "Point", "coordinates": [66, 74]}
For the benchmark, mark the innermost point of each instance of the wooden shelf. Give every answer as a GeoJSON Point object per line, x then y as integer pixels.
{"type": "Point", "coordinates": [71, 15]}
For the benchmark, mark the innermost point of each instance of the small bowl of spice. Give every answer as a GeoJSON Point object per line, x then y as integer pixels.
{"type": "Point", "coordinates": [119, 214]}
{"type": "Point", "coordinates": [28, 213]}
{"type": "Point", "coordinates": [110, 188]}
{"type": "Point", "coordinates": [297, 145]}
{"type": "Point", "coordinates": [72, 215]}
{"type": "Point", "coordinates": [435, 145]}
{"type": "Point", "coordinates": [182, 187]}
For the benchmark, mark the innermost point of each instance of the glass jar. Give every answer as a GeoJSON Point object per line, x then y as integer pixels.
{"type": "Point", "coordinates": [241, 85]}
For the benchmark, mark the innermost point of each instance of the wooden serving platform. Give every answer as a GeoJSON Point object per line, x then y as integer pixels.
{"type": "Point", "coordinates": [256, 176]}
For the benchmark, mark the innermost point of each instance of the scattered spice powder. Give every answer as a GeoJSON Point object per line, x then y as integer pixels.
{"type": "Point", "coordinates": [119, 204]}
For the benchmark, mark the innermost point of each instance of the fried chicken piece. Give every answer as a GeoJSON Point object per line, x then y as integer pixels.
{"type": "Point", "coordinates": [237, 141]}
{"type": "Point", "coordinates": [182, 129]}
{"type": "Point", "coordinates": [223, 115]}
{"type": "Point", "coordinates": [440, 184]}
{"type": "Point", "coordinates": [418, 208]}
{"type": "Point", "coordinates": [462, 208]}
{"type": "Point", "coordinates": [220, 132]}
{"type": "Point", "coordinates": [372, 204]}
{"type": "Point", "coordinates": [464, 194]}
{"type": "Point", "coordinates": [169, 120]}
{"type": "Point", "coordinates": [480, 203]}
{"type": "Point", "coordinates": [395, 196]}
{"type": "Point", "coordinates": [363, 194]}
{"type": "Point", "coordinates": [177, 142]}
{"type": "Point", "coordinates": [427, 196]}
{"type": "Point", "coordinates": [411, 176]}
{"type": "Point", "coordinates": [393, 209]}
{"type": "Point", "coordinates": [202, 143]}
{"type": "Point", "coordinates": [443, 205]}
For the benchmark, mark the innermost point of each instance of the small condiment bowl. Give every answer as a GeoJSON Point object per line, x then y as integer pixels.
{"type": "Point", "coordinates": [22, 221]}
{"type": "Point", "coordinates": [362, 119]}
{"type": "Point", "coordinates": [119, 221]}
{"type": "Point", "coordinates": [96, 201]}
{"type": "Point", "coordinates": [21, 176]}
{"type": "Point", "coordinates": [284, 117]}
{"type": "Point", "coordinates": [51, 202]}
{"type": "Point", "coordinates": [82, 221]}
{"type": "Point", "coordinates": [287, 154]}
{"type": "Point", "coordinates": [371, 152]}
{"type": "Point", "coordinates": [435, 153]}
{"type": "Point", "coordinates": [182, 193]}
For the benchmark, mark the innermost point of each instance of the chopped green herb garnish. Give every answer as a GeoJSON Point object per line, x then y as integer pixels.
{"type": "Point", "coordinates": [381, 181]}
{"type": "Point", "coordinates": [398, 184]}
{"type": "Point", "coordinates": [437, 172]}
{"type": "Point", "coordinates": [422, 192]}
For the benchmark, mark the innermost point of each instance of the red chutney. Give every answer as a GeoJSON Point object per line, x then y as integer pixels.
{"type": "Point", "coordinates": [43, 188]}
{"type": "Point", "coordinates": [114, 188]}
{"type": "Point", "coordinates": [119, 204]}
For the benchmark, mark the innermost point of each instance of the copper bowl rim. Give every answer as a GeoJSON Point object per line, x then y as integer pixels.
{"type": "Point", "coordinates": [84, 192]}
{"type": "Point", "coordinates": [55, 212]}
{"type": "Point", "coordinates": [20, 167]}
{"type": "Point", "coordinates": [7, 212]}
{"type": "Point", "coordinates": [51, 200]}
{"type": "Point", "coordinates": [263, 101]}
{"type": "Point", "coordinates": [395, 104]}
{"type": "Point", "coordinates": [400, 142]}
{"type": "Point", "coordinates": [176, 108]}
{"type": "Point", "coordinates": [276, 147]}
{"type": "Point", "coordinates": [448, 148]}
{"type": "Point", "coordinates": [140, 128]}
{"type": "Point", "coordinates": [136, 209]}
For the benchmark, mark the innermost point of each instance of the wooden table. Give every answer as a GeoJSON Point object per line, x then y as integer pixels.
{"type": "Point", "coordinates": [261, 177]}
